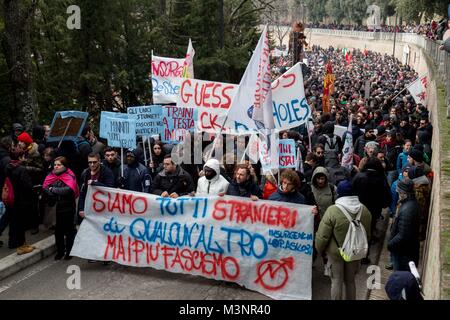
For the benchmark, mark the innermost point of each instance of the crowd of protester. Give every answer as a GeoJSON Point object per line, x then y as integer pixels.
{"type": "Point", "coordinates": [391, 168]}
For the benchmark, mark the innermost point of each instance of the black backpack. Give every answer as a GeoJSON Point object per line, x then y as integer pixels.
{"type": "Point", "coordinates": [331, 154]}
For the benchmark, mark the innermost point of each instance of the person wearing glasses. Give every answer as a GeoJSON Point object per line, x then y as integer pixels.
{"type": "Point", "coordinates": [96, 174]}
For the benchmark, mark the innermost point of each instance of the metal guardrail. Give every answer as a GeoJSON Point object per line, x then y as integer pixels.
{"type": "Point", "coordinates": [440, 58]}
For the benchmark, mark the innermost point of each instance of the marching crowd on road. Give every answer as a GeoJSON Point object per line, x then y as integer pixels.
{"type": "Point", "coordinates": [391, 168]}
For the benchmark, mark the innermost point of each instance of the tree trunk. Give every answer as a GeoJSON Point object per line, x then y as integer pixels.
{"type": "Point", "coordinates": [18, 17]}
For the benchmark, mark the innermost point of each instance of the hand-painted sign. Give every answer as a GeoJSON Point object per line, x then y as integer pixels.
{"type": "Point", "coordinates": [120, 131]}
{"type": "Point", "coordinates": [287, 153]}
{"type": "Point", "coordinates": [263, 245]}
{"type": "Point", "coordinates": [104, 123]}
{"type": "Point", "coordinates": [67, 125]}
{"type": "Point", "coordinates": [166, 78]}
{"type": "Point", "coordinates": [212, 99]}
{"type": "Point", "coordinates": [176, 122]}
{"type": "Point", "coordinates": [148, 121]}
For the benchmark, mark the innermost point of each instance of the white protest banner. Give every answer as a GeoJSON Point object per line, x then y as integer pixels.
{"type": "Point", "coordinates": [121, 132]}
{"type": "Point", "coordinates": [149, 119]}
{"type": "Point", "coordinates": [347, 151]}
{"type": "Point", "coordinates": [166, 78]}
{"type": "Point", "coordinates": [268, 152]}
{"type": "Point", "coordinates": [418, 89]}
{"type": "Point", "coordinates": [176, 122]}
{"type": "Point", "coordinates": [265, 246]}
{"type": "Point", "coordinates": [212, 99]}
{"type": "Point", "coordinates": [287, 153]}
{"type": "Point", "coordinates": [290, 108]}
{"type": "Point", "coordinates": [339, 130]}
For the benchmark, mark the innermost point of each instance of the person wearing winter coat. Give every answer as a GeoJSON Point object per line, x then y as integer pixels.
{"type": "Point", "coordinates": [331, 235]}
{"type": "Point", "coordinates": [404, 242]}
{"type": "Point", "coordinates": [61, 187]}
{"type": "Point", "coordinates": [422, 190]}
{"type": "Point", "coordinates": [96, 174]}
{"type": "Point", "coordinates": [373, 190]}
{"type": "Point", "coordinates": [112, 162]}
{"type": "Point", "coordinates": [402, 158]}
{"type": "Point", "coordinates": [136, 176]}
{"type": "Point", "coordinates": [243, 184]}
{"type": "Point", "coordinates": [212, 183]}
{"type": "Point", "coordinates": [288, 191]}
{"type": "Point", "coordinates": [324, 192]}
{"type": "Point", "coordinates": [173, 181]}
{"type": "Point", "coordinates": [19, 213]}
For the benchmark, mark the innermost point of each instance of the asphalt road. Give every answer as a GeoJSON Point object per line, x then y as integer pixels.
{"type": "Point", "coordinates": [48, 280]}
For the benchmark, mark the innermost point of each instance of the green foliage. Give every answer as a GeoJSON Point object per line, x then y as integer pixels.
{"type": "Point", "coordinates": [316, 10]}
{"type": "Point", "coordinates": [106, 64]}
{"type": "Point", "coordinates": [335, 10]}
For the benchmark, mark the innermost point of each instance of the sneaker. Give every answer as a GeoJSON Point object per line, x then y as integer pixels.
{"type": "Point", "coordinates": [24, 249]}
{"type": "Point", "coordinates": [389, 266]}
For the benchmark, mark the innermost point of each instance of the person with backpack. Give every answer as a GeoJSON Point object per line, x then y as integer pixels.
{"type": "Point", "coordinates": [332, 144]}
{"type": "Point", "coordinates": [16, 193]}
{"type": "Point", "coordinates": [333, 238]}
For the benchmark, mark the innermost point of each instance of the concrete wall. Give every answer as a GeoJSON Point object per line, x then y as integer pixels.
{"type": "Point", "coordinates": [435, 262]}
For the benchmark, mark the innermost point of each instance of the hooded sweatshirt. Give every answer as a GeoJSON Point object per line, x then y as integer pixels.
{"type": "Point", "coordinates": [214, 186]}
{"type": "Point", "coordinates": [334, 225]}
{"type": "Point", "coordinates": [324, 196]}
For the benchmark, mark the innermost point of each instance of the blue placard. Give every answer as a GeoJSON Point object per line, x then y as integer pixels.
{"type": "Point", "coordinates": [73, 126]}
{"type": "Point", "coordinates": [121, 132]}
{"type": "Point", "coordinates": [176, 121]}
{"type": "Point", "coordinates": [287, 153]}
{"type": "Point", "coordinates": [104, 123]}
{"type": "Point", "coordinates": [149, 119]}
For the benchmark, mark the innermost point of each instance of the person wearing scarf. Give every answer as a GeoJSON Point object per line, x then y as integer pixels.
{"type": "Point", "coordinates": [61, 187]}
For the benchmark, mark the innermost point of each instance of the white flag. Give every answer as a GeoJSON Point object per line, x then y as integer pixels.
{"type": "Point", "coordinates": [252, 109]}
{"type": "Point", "coordinates": [347, 152]}
{"type": "Point", "coordinates": [418, 89]}
{"type": "Point", "coordinates": [188, 68]}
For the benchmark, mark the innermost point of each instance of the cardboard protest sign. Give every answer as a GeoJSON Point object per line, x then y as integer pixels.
{"type": "Point", "coordinates": [166, 78]}
{"type": "Point", "coordinates": [121, 132]}
{"type": "Point", "coordinates": [265, 246]}
{"type": "Point", "coordinates": [67, 125]}
{"type": "Point", "coordinates": [176, 122]}
{"type": "Point", "coordinates": [287, 153]}
{"type": "Point", "coordinates": [104, 123]}
{"type": "Point", "coordinates": [149, 119]}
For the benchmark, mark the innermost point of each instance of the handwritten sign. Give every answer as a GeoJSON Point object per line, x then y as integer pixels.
{"type": "Point", "coordinates": [176, 122]}
{"type": "Point", "coordinates": [166, 78]}
{"type": "Point", "coordinates": [212, 99]}
{"type": "Point", "coordinates": [287, 153]}
{"type": "Point", "coordinates": [104, 122]}
{"type": "Point", "coordinates": [148, 121]}
{"type": "Point", "coordinates": [263, 245]}
{"type": "Point", "coordinates": [120, 132]}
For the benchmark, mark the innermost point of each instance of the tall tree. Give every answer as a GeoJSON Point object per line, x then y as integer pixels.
{"type": "Point", "coordinates": [18, 18]}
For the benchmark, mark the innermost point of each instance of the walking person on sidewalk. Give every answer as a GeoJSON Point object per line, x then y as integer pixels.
{"type": "Point", "coordinates": [61, 187]}
{"type": "Point", "coordinates": [331, 234]}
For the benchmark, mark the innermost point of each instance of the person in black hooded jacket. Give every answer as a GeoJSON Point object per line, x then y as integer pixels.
{"type": "Point", "coordinates": [404, 243]}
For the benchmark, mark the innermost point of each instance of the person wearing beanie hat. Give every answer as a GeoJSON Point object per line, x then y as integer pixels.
{"type": "Point", "coordinates": [402, 285]}
{"type": "Point", "coordinates": [331, 234]}
{"type": "Point", "coordinates": [25, 138]}
{"type": "Point", "coordinates": [404, 241]}
{"type": "Point", "coordinates": [416, 155]}
{"type": "Point", "coordinates": [416, 158]}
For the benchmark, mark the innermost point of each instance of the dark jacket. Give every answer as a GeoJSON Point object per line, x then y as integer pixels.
{"type": "Point", "coordinates": [245, 190]}
{"type": "Point", "coordinates": [373, 191]}
{"type": "Point", "coordinates": [22, 186]}
{"type": "Point", "coordinates": [292, 197]}
{"type": "Point", "coordinates": [64, 197]}
{"type": "Point", "coordinates": [105, 179]}
{"type": "Point", "coordinates": [115, 169]}
{"type": "Point", "coordinates": [180, 182]}
{"type": "Point", "coordinates": [136, 177]}
{"type": "Point", "coordinates": [404, 238]}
